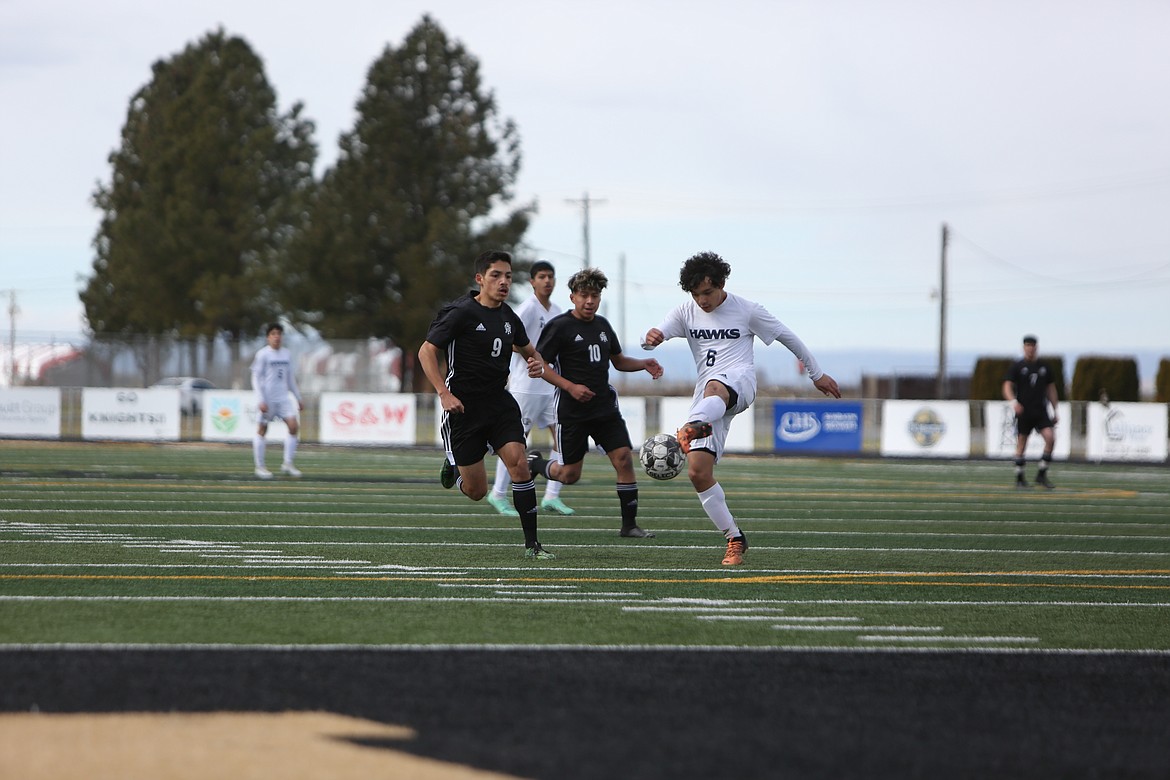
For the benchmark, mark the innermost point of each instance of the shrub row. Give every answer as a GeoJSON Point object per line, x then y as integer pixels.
{"type": "Point", "coordinates": [1094, 377]}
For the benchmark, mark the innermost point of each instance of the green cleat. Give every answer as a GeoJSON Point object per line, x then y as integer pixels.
{"type": "Point", "coordinates": [502, 506]}
{"type": "Point", "coordinates": [538, 553]}
{"type": "Point", "coordinates": [447, 475]}
{"type": "Point", "coordinates": [556, 505]}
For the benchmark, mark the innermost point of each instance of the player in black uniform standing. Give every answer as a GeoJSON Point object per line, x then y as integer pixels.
{"type": "Point", "coordinates": [478, 333]}
{"type": "Point", "coordinates": [580, 347]}
{"type": "Point", "coordinates": [1031, 387]}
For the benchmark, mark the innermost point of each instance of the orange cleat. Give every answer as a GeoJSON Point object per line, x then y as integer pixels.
{"type": "Point", "coordinates": [691, 431]}
{"type": "Point", "coordinates": [735, 550]}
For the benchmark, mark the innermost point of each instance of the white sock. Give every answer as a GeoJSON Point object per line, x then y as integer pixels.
{"type": "Point", "coordinates": [259, 446]}
{"type": "Point", "coordinates": [290, 448]}
{"type": "Point", "coordinates": [709, 409]}
{"type": "Point", "coordinates": [552, 488]}
{"type": "Point", "coordinates": [503, 479]}
{"type": "Point", "coordinates": [715, 505]}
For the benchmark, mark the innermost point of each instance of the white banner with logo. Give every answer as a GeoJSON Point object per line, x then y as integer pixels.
{"type": "Point", "coordinates": [1126, 431]}
{"type": "Point", "coordinates": [634, 412]}
{"type": "Point", "coordinates": [741, 437]}
{"type": "Point", "coordinates": [30, 412]}
{"type": "Point", "coordinates": [368, 418]}
{"type": "Point", "coordinates": [999, 432]}
{"type": "Point", "coordinates": [231, 415]}
{"type": "Point", "coordinates": [929, 429]}
{"type": "Point", "coordinates": [130, 413]}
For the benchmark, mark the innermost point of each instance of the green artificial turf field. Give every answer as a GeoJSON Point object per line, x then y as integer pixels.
{"type": "Point", "coordinates": [140, 544]}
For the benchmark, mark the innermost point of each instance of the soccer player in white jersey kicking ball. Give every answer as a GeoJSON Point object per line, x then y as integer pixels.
{"type": "Point", "coordinates": [273, 380]}
{"type": "Point", "coordinates": [719, 327]}
{"type": "Point", "coordinates": [536, 397]}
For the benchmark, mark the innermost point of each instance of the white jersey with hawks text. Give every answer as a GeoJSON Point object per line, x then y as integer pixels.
{"type": "Point", "coordinates": [721, 340]}
{"type": "Point", "coordinates": [272, 376]}
{"type": "Point", "coordinates": [534, 316]}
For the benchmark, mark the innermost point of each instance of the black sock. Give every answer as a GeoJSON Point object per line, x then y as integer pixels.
{"type": "Point", "coordinates": [628, 500]}
{"type": "Point", "coordinates": [524, 499]}
{"type": "Point", "coordinates": [538, 465]}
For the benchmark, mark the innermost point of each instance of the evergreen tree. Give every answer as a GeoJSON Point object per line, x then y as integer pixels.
{"type": "Point", "coordinates": [417, 192]}
{"type": "Point", "coordinates": [208, 188]}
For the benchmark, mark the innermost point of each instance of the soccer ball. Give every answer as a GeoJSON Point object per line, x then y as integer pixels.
{"type": "Point", "coordinates": [662, 457]}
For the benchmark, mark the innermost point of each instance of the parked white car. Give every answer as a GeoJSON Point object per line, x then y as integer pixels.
{"type": "Point", "coordinates": [190, 391]}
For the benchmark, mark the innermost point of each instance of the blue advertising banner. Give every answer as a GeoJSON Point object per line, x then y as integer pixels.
{"type": "Point", "coordinates": [817, 426]}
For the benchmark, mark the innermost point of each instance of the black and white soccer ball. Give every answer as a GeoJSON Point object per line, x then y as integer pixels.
{"type": "Point", "coordinates": [662, 457]}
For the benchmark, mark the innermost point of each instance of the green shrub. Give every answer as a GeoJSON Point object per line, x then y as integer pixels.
{"type": "Point", "coordinates": [1116, 377]}
{"type": "Point", "coordinates": [1162, 383]}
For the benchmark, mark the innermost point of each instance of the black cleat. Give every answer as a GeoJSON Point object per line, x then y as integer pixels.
{"type": "Point", "coordinates": [447, 475]}
{"type": "Point", "coordinates": [1042, 481]}
{"type": "Point", "coordinates": [1021, 483]}
{"type": "Point", "coordinates": [634, 532]}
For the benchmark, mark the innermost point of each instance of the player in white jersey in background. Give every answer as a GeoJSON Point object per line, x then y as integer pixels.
{"type": "Point", "coordinates": [536, 397]}
{"type": "Point", "coordinates": [273, 380]}
{"type": "Point", "coordinates": [719, 327]}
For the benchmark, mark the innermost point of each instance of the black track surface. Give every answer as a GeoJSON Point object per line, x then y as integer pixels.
{"type": "Point", "coordinates": [660, 714]}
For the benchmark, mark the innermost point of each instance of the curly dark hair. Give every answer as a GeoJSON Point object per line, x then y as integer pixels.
{"type": "Point", "coordinates": [705, 265]}
{"type": "Point", "coordinates": [588, 279]}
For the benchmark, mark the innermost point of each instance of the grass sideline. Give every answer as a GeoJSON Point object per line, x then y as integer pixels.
{"type": "Point", "coordinates": [145, 545]}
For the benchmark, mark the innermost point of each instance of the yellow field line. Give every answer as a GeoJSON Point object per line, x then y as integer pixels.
{"type": "Point", "coordinates": [923, 579]}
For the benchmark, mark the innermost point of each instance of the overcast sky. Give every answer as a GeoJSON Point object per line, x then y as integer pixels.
{"type": "Point", "coordinates": [818, 145]}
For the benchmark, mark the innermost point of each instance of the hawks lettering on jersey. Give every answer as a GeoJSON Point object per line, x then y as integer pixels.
{"type": "Point", "coordinates": [721, 340]}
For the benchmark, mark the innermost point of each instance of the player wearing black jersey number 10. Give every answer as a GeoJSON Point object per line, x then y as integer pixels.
{"type": "Point", "coordinates": [580, 346]}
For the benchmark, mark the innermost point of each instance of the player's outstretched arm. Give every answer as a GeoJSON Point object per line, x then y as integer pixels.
{"type": "Point", "coordinates": [827, 385]}
{"type": "Point", "coordinates": [623, 362]}
{"type": "Point", "coordinates": [653, 338]}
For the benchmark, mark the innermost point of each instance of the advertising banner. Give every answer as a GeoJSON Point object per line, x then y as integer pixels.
{"type": "Point", "coordinates": [672, 413]}
{"type": "Point", "coordinates": [927, 429]}
{"type": "Point", "coordinates": [634, 412]}
{"type": "Point", "coordinates": [30, 412]}
{"type": "Point", "coordinates": [1126, 431]}
{"type": "Point", "coordinates": [816, 426]}
{"type": "Point", "coordinates": [368, 418]}
{"type": "Point", "coordinates": [130, 413]}
{"type": "Point", "coordinates": [999, 432]}
{"type": "Point", "coordinates": [231, 415]}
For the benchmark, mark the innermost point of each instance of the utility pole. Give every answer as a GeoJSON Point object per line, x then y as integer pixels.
{"type": "Point", "coordinates": [13, 310]}
{"type": "Point", "coordinates": [941, 379]}
{"type": "Point", "coordinates": [584, 203]}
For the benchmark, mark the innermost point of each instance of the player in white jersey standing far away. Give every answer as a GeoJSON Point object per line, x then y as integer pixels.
{"type": "Point", "coordinates": [719, 327]}
{"type": "Point", "coordinates": [536, 397]}
{"type": "Point", "coordinates": [273, 380]}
